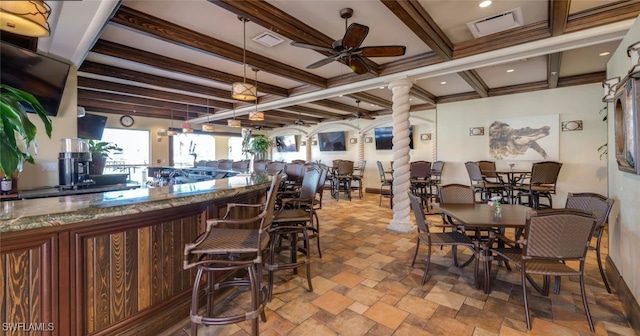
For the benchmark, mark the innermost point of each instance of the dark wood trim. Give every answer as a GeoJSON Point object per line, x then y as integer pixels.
{"type": "Point", "coordinates": [602, 15]}
{"type": "Point", "coordinates": [529, 33]}
{"type": "Point", "coordinates": [422, 94]}
{"type": "Point", "coordinates": [553, 69]}
{"type": "Point", "coordinates": [595, 77]}
{"type": "Point", "coordinates": [194, 110]}
{"type": "Point", "coordinates": [184, 37]}
{"type": "Point", "coordinates": [414, 16]}
{"type": "Point", "coordinates": [624, 294]}
{"type": "Point", "coordinates": [310, 110]}
{"type": "Point", "coordinates": [174, 65]}
{"type": "Point", "coordinates": [371, 99]}
{"type": "Point", "coordinates": [475, 81]}
{"type": "Point", "coordinates": [558, 16]}
{"type": "Point", "coordinates": [417, 61]}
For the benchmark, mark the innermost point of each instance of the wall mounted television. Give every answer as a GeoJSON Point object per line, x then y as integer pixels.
{"type": "Point", "coordinates": [331, 141]}
{"type": "Point", "coordinates": [384, 137]}
{"type": "Point", "coordinates": [39, 75]}
{"type": "Point", "coordinates": [286, 143]}
{"type": "Point", "coordinates": [91, 126]}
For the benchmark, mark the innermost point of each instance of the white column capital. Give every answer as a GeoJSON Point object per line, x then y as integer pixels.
{"type": "Point", "coordinates": [403, 82]}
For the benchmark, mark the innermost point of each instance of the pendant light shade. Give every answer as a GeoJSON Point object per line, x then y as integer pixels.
{"type": "Point", "coordinates": [208, 127]}
{"type": "Point", "coordinates": [27, 18]}
{"type": "Point", "coordinates": [256, 116]}
{"type": "Point", "coordinates": [233, 123]}
{"type": "Point", "coordinates": [243, 90]}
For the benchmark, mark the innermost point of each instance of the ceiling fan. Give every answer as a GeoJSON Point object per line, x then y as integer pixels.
{"type": "Point", "coordinates": [299, 121]}
{"type": "Point", "coordinates": [348, 49]}
{"type": "Point", "coordinates": [360, 115]}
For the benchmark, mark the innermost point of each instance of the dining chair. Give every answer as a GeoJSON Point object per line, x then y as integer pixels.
{"type": "Point", "coordinates": [342, 178]}
{"type": "Point", "coordinates": [426, 237]}
{"type": "Point", "coordinates": [488, 170]}
{"type": "Point", "coordinates": [292, 222]}
{"type": "Point", "coordinates": [435, 178]}
{"type": "Point", "coordinates": [551, 237]}
{"type": "Point", "coordinates": [385, 182]}
{"type": "Point", "coordinates": [480, 185]}
{"type": "Point", "coordinates": [219, 247]}
{"type": "Point", "coordinates": [600, 206]}
{"type": "Point", "coordinates": [419, 173]}
{"type": "Point", "coordinates": [542, 183]}
{"type": "Point", "coordinates": [358, 178]}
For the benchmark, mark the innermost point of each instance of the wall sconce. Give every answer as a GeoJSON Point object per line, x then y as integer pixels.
{"type": "Point", "coordinates": [353, 140]}
{"type": "Point", "coordinates": [303, 143]}
{"type": "Point", "coordinates": [610, 86]}
{"type": "Point", "coordinates": [162, 132]}
{"type": "Point", "coordinates": [368, 140]}
{"type": "Point", "coordinates": [573, 125]}
{"type": "Point", "coordinates": [159, 139]}
{"type": "Point", "coordinates": [425, 136]}
{"type": "Point", "coordinates": [476, 131]}
{"type": "Point", "coordinates": [314, 142]}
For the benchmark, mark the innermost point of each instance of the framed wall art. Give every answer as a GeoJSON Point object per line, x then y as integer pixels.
{"type": "Point", "coordinates": [526, 138]}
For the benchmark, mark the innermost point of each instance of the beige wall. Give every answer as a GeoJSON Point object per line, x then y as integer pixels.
{"type": "Point", "coordinates": [624, 221]}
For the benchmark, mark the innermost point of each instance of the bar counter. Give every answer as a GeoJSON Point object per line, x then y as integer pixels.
{"type": "Point", "coordinates": [109, 263]}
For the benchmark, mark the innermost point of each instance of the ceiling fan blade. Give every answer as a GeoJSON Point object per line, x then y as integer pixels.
{"type": "Point", "coordinates": [368, 117]}
{"type": "Point", "coordinates": [311, 46]}
{"type": "Point", "coordinates": [322, 62]}
{"type": "Point", "coordinates": [354, 36]}
{"type": "Point", "coordinates": [358, 65]}
{"type": "Point", "coordinates": [381, 51]}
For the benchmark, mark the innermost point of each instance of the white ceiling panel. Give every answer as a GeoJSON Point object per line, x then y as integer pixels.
{"type": "Point", "coordinates": [445, 85]}
{"type": "Point", "coordinates": [586, 60]}
{"type": "Point", "coordinates": [524, 71]}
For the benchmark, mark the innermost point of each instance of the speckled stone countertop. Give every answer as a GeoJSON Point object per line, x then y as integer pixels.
{"type": "Point", "coordinates": [36, 213]}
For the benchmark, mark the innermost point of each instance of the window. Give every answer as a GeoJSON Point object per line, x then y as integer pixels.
{"type": "Point", "coordinates": [134, 144]}
{"type": "Point", "coordinates": [235, 149]}
{"type": "Point", "coordinates": [191, 147]}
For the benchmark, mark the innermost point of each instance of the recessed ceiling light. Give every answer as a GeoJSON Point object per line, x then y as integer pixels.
{"type": "Point", "coordinates": [340, 96]}
{"type": "Point", "coordinates": [604, 53]}
{"type": "Point", "coordinates": [484, 4]}
{"type": "Point", "coordinates": [410, 99]}
{"type": "Point", "coordinates": [374, 105]}
{"type": "Point", "coordinates": [443, 83]}
{"type": "Point", "coordinates": [382, 87]}
{"type": "Point", "coordinates": [510, 70]}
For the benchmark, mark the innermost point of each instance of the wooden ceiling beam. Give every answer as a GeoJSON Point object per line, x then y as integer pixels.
{"type": "Point", "coordinates": [371, 99]}
{"type": "Point", "coordinates": [310, 110]}
{"type": "Point", "coordinates": [553, 69]}
{"type": "Point", "coordinates": [414, 16]}
{"type": "Point", "coordinates": [475, 81]}
{"type": "Point", "coordinates": [528, 33]}
{"type": "Point", "coordinates": [336, 106]}
{"type": "Point", "coordinates": [91, 83]}
{"type": "Point", "coordinates": [422, 94]}
{"type": "Point", "coordinates": [558, 16]}
{"type": "Point", "coordinates": [293, 116]}
{"type": "Point", "coordinates": [602, 15]}
{"type": "Point", "coordinates": [136, 76]}
{"type": "Point", "coordinates": [130, 109]}
{"type": "Point", "coordinates": [274, 19]}
{"type": "Point", "coordinates": [174, 65]}
{"type": "Point", "coordinates": [117, 112]}
{"type": "Point", "coordinates": [99, 95]}
{"type": "Point", "coordinates": [184, 37]}
{"type": "Point", "coordinates": [594, 77]}
{"type": "Point", "coordinates": [417, 61]}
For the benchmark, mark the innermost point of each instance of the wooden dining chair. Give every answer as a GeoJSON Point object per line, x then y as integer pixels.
{"type": "Point", "coordinates": [551, 237]}
{"type": "Point", "coordinates": [426, 237]}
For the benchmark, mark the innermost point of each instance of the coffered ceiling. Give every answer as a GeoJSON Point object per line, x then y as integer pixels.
{"type": "Point", "coordinates": [179, 58]}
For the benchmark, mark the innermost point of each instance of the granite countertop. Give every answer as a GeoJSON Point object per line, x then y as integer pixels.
{"type": "Point", "coordinates": [36, 213]}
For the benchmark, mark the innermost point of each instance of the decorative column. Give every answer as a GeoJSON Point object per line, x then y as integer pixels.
{"type": "Point", "coordinates": [401, 175]}
{"type": "Point", "coordinates": [360, 149]}
{"type": "Point", "coordinates": [308, 149]}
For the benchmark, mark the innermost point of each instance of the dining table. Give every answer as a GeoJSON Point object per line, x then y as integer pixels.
{"type": "Point", "coordinates": [484, 216]}
{"type": "Point", "coordinates": [513, 178]}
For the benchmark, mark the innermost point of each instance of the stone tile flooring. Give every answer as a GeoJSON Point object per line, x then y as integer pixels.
{"type": "Point", "coordinates": [364, 285]}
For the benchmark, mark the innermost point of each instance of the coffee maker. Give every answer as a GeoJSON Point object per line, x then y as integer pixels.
{"type": "Point", "coordinates": [73, 164]}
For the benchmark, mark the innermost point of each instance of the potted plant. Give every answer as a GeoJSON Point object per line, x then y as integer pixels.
{"type": "Point", "coordinates": [17, 132]}
{"type": "Point", "coordinates": [100, 151]}
{"type": "Point", "coordinates": [260, 145]}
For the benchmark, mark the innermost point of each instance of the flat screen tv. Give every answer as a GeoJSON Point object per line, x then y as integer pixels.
{"type": "Point", "coordinates": [91, 126]}
{"type": "Point", "coordinates": [331, 141]}
{"type": "Point", "coordinates": [286, 143]}
{"type": "Point", "coordinates": [39, 75]}
{"type": "Point", "coordinates": [384, 137]}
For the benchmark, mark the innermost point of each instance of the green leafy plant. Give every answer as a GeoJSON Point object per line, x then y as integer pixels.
{"type": "Point", "coordinates": [17, 132]}
{"type": "Point", "coordinates": [604, 148]}
{"type": "Point", "coordinates": [102, 149]}
{"type": "Point", "coordinates": [260, 145]}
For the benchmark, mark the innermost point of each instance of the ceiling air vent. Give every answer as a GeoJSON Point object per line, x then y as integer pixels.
{"type": "Point", "coordinates": [496, 23]}
{"type": "Point", "coordinates": [268, 39]}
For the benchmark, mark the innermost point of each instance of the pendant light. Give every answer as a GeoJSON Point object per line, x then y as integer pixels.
{"type": "Point", "coordinates": [243, 90]}
{"type": "Point", "coordinates": [171, 131]}
{"type": "Point", "coordinates": [185, 125]}
{"type": "Point", "coordinates": [256, 115]}
{"type": "Point", "coordinates": [234, 122]}
{"type": "Point", "coordinates": [207, 127]}
{"type": "Point", "coordinates": [27, 18]}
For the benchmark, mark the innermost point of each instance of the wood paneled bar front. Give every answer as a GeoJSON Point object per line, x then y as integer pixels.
{"type": "Point", "coordinates": [109, 263]}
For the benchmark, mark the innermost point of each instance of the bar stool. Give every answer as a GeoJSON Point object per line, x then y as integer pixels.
{"type": "Point", "coordinates": [221, 248]}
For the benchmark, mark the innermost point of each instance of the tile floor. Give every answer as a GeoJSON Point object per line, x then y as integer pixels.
{"type": "Point", "coordinates": [364, 285]}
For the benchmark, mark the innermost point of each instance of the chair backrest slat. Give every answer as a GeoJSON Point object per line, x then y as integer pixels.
{"type": "Point", "coordinates": [456, 194]}
{"type": "Point", "coordinates": [596, 204]}
{"type": "Point", "coordinates": [420, 169]}
{"type": "Point", "coordinates": [488, 168]}
{"type": "Point", "coordinates": [545, 172]}
{"type": "Point", "coordinates": [558, 234]}
{"type": "Point", "coordinates": [475, 174]}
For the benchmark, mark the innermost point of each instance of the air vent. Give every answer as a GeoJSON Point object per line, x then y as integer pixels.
{"type": "Point", "coordinates": [268, 39]}
{"type": "Point", "coordinates": [497, 23]}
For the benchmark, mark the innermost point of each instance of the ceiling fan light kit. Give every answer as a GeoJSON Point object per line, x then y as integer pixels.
{"type": "Point", "coordinates": [27, 18]}
{"type": "Point", "coordinates": [348, 50]}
